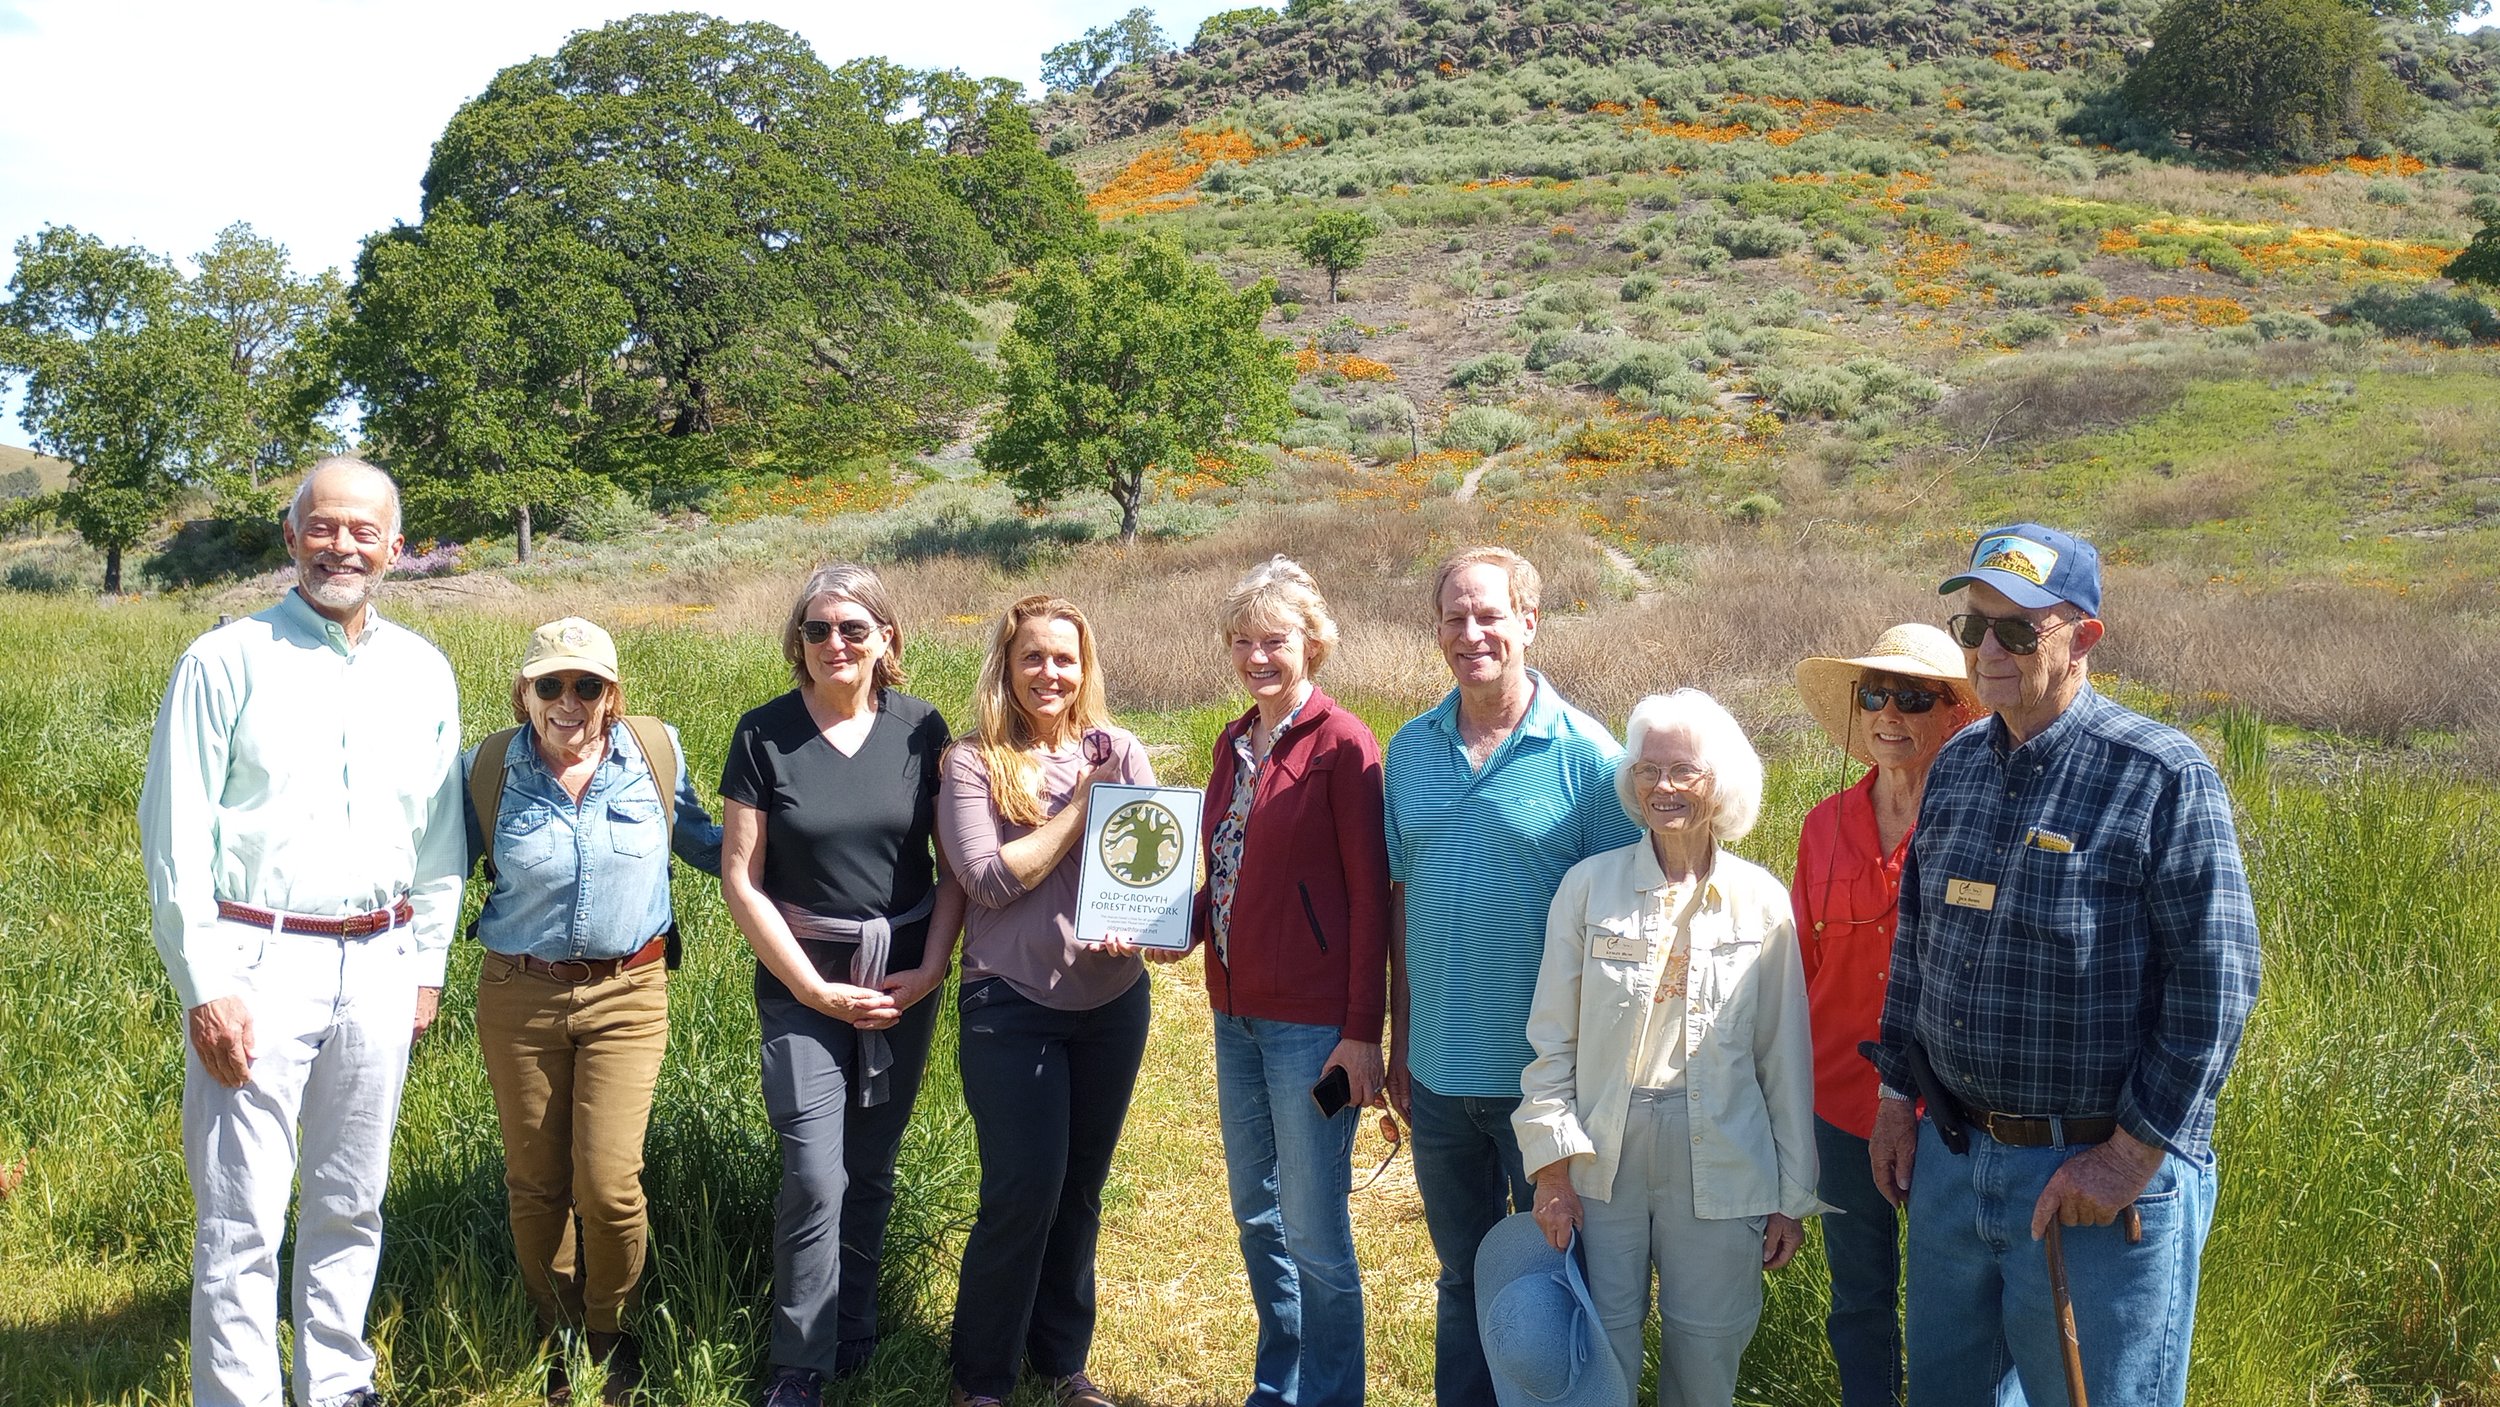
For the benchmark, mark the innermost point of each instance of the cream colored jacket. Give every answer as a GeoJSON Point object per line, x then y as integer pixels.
{"type": "Point", "coordinates": [1749, 1065]}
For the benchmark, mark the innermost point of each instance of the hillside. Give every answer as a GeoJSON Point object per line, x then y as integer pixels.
{"type": "Point", "coordinates": [51, 473]}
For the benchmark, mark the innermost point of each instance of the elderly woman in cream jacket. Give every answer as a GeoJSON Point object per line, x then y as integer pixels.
{"type": "Point", "coordinates": [1669, 1112]}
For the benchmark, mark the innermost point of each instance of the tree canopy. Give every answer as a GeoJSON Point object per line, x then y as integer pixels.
{"type": "Point", "coordinates": [1083, 61]}
{"type": "Point", "coordinates": [1336, 241]}
{"type": "Point", "coordinates": [277, 383]}
{"type": "Point", "coordinates": [120, 381]}
{"type": "Point", "coordinates": [780, 250]}
{"type": "Point", "coordinates": [2267, 78]}
{"type": "Point", "coordinates": [2479, 261]}
{"type": "Point", "coordinates": [1134, 359]}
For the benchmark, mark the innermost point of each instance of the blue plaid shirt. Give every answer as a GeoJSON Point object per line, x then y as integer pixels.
{"type": "Point", "coordinates": [2111, 969]}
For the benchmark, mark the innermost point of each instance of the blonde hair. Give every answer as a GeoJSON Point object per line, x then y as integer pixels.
{"type": "Point", "coordinates": [1524, 581]}
{"type": "Point", "coordinates": [862, 587]}
{"type": "Point", "coordinates": [1279, 592]}
{"type": "Point", "coordinates": [1006, 737]}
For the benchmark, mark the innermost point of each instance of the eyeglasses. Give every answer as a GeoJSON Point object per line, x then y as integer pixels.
{"type": "Point", "coordinates": [2018, 635]}
{"type": "Point", "coordinates": [854, 632]}
{"type": "Point", "coordinates": [1907, 698]}
{"type": "Point", "coordinates": [1683, 776]}
{"type": "Point", "coordinates": [1389, 1131]}
{"type": "Point", "coordinates": [586, 687]}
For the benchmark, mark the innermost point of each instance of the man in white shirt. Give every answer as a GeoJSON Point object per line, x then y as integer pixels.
{"type": "Point", "coordinates": [300, 824]}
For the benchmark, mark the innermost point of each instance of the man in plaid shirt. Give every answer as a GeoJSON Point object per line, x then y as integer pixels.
{"type": "Point", "coordinates": [2076, 958]}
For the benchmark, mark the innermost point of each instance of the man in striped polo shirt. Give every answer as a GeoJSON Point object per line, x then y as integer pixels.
{"type": "Point", "coordinates": [1493, 794]}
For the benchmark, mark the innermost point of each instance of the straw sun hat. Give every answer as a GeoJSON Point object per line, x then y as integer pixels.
{"type": "Point", "coordinates": [1913, 651]}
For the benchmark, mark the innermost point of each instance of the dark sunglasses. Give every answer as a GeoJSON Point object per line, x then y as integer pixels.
{"type": "Point", "coordinates": [854, 632]}
{"type": "Point", "coordinates": [2017, 635]}
{"type": "Point", "coordinates": [587, 687]}
{"type": "Point", "coordinates": [1906, 697]}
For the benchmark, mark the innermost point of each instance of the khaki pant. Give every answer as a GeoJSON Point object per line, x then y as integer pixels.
{"type": "Point", "coordinates": [573, 1065]}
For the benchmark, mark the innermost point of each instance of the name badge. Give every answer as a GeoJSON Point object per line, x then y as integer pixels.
{"type": "Point", "coordinates": [1621, 947]}
{"type": "Point", "coordinates": [1970, 894]}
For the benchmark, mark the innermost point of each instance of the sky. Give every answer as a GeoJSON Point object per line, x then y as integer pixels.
{"type": "Point", "coordinates": [160, 122]}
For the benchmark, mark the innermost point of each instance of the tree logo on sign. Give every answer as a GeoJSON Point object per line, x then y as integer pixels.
{"type": "Point", "coordinates": [1141, 844]}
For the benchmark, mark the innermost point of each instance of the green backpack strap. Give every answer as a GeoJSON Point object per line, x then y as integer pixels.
{"type": "Point", "coordinates": [486, 770]}
{"type": "Point", "coordinates": [651, 735]}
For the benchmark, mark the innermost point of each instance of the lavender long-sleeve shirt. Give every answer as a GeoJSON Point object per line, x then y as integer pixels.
{"type": "Point", "coordinates": [1027, 937]}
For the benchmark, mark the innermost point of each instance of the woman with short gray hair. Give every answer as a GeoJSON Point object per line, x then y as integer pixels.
{"type": "Point", "coordinates": [1295, 922]}
{"type": "Point", "coordinates": [1668, 1113]}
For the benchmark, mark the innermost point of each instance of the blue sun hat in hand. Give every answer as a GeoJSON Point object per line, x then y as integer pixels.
{"type": "Point", "coordinates": [1538, 1323]}
{"type": "Point", "coordinates": [2034, 566]}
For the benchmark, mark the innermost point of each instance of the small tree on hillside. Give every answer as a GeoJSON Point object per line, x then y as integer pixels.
{"type": "Point", "coordinates": [1134, 358]}
{"type": "Point", "coordinates": [1083, 61]}
{"type": "Point", "coordinates": [118, 382]}
{"type": "Point", "coordinates": [2267, 78]}
{"type": "Point", "coordinates": [2479, 261]}
{"type": "Point", "coordinates": [1335, 242]}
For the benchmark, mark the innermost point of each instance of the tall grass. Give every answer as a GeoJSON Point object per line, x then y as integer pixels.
{"type": "Point", "coordinates": [2349, 1263]}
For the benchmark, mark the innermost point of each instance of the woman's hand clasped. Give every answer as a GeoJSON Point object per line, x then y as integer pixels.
{"type": "Point", "coordinates": [863, 1007]}
{"type": "Point", "coordinates": [910, 985]}
{"type": "Point", "coordinates": [1557, 1205]}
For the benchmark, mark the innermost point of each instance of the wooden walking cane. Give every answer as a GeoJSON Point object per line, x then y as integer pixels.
{"type": "Point", "coordinates": [2067, 1347]}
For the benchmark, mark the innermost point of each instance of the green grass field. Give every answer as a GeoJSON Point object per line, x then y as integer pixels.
{"type": "Point", "coordinates": [2350, 1261]}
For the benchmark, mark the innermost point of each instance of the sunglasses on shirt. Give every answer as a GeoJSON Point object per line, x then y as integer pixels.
{"type": "Point", "coordinates": [854, 632]}
{"type": "Point", "coordinates": [2017, 635]}
{"type": "Point", "coordinates": [586, 687]}
{"type": "Point", "coordinates": [1908, 698]}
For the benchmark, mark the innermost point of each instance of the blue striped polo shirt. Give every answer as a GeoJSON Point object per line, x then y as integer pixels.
{"type": "Point", "coordinates": [1481, 854]}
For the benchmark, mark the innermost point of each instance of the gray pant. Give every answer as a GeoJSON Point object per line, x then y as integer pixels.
{"type": "Point", "coordinates": [837, 1176]}
{"type": "Point", "coordinates": [1710, 1272]}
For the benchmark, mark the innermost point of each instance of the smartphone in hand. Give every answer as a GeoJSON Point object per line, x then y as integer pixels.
{"type": "Point", "coordinates": [1333, 1092]}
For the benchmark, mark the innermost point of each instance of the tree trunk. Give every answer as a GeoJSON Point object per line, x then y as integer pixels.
{"type": "Point", "coordinates": [521, 535]}
{"type": "Point", "coordinates": [1129, 490]}
{"type": "Point", "coordinates": [1332, 286]}
{"type": "Point", "coordinates": [113, 570]}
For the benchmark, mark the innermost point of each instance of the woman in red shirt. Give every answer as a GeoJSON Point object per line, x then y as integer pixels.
{"type": "Point", "coordinates": [1294, 919]}
{"type": "Point", "coordinates": [1891, 708]}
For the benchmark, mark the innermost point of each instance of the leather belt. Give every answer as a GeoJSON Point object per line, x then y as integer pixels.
{"type": "Point", "coordinates": [2016, 1131]}
{"type": "Point", "coordinates": [579, 970]}
{"type": "Point", "coordinates": [397, 915]}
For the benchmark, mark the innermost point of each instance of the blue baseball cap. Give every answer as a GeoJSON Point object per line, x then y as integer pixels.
{"type": "Point", "coordinates": [2035, 567]}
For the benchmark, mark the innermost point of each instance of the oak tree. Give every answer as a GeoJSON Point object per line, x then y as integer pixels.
{"type": "Point", "coordinates": [1132, 359]}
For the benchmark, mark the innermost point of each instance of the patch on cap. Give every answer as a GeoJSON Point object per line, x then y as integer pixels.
{"type": "Point", "coordinates": [573, 636]}
{"type": "Point", "coordinates": [2018, 556]}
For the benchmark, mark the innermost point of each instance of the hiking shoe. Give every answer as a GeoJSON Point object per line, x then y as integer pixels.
{"type": "Point", "coordinates": [622, 1353]}
{"type": "Point", "coordinates": [1078, 1390]}
{"type": "Point", "coordinates": [795, 1387]}
{"type": "Point", "coordinates": [957, 1397]}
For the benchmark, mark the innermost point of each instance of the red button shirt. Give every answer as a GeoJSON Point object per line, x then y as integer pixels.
{"type": "Point", "coordinates": [1847, 893]}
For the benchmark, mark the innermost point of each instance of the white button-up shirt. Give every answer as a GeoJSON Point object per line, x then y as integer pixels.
{"type": "Point", "coordinates": [1748, 1061]}
{"type": "Point", "coordinates": [296, 770]}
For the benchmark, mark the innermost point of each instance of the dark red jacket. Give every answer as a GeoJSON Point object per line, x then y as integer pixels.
{"type": "Point", "coordinates": [1309, 938]}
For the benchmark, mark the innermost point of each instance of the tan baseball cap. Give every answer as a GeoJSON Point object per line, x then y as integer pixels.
{"type": "Point", "coordinates": [570, 643]}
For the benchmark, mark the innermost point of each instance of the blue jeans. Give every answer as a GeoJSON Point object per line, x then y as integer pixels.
{"type": "Point", "coordinates": [1467, 1168]}
{"type": "Point", "coordinates": [1862, 1245]}
{"type": "Point", "coordinates": [1290, 1173]}
{"type": "Point", "coordinates": [1979, 1285]}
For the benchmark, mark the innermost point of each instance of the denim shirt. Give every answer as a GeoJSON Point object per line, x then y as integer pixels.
{"type": "Point", "coordinates": [587, 879]}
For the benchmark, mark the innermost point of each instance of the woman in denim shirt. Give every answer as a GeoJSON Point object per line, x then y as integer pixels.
{"type": "Point", "coordinates": [572, 995]}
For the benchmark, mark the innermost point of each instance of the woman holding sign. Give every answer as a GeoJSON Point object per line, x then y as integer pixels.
{"type": "Point", "coordinates": [1295, 919]}
{"type": "Point", "coordinates": [1052, 1029]}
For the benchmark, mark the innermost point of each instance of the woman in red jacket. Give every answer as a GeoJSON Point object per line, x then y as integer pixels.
{"type": "Point", "coordinates": [1294, 918]}
{"type": "Point", "coordinates": [1890, 708]}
